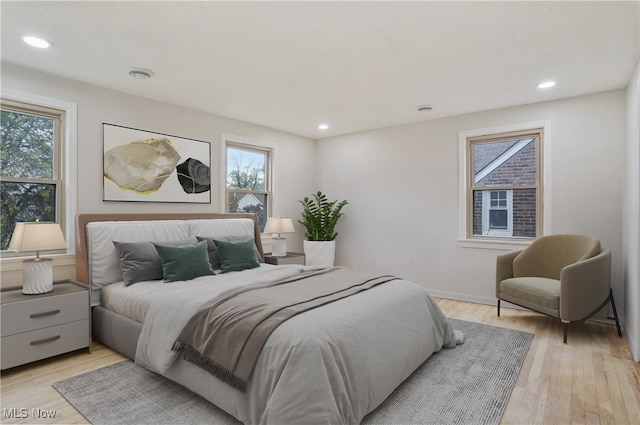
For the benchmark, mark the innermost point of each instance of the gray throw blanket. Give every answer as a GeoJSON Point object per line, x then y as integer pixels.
{"type": "Point", "coordinates": [225, 337]}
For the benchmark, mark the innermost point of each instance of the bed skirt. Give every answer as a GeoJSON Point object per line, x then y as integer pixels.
{"type": "Point", "coordinates": [115, 331]}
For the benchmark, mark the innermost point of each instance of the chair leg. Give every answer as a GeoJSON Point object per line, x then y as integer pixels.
{"type": "Point", "coordinates": [565, 323]}
{"type": "Point", "coordinates": [615, 313]}
{"type": "Point", "coordinates": [498, 307]}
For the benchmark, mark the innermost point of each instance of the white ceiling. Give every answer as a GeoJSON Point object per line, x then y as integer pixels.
{"type": "Point", "coordinates": [354, 65]}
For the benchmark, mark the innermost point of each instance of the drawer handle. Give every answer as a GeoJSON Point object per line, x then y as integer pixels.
{"type": "Point", "coordinates": [44, 341]}
{"type": "Point", "coordinates": [46, 313]}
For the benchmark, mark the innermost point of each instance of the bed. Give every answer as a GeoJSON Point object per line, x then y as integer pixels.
{"type": "Point", "coordinates": [333, 359]}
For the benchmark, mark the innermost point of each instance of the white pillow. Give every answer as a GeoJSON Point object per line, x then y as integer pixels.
{"type": "Point", "coordinates": [104, 262]}
{"type": "Point", "coordinates": [212, 228]}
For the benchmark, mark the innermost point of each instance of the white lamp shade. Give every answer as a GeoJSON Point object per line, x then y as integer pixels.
{"type": "Point", "coordinates": [279, 225]}
{"type": "Point", "coordinates": [37, 236]}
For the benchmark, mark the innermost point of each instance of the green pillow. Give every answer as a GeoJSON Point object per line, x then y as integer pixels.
{"type": "Point", "coordinates": [184, 262]}
{"type": "Point", "coordinates": [236, 255]}
{"type": "Point", "coordinates": [214, 259]}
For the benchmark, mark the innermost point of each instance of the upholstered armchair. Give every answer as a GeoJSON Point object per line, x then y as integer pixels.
{"type": "Point", "coordinates": [563, 276]}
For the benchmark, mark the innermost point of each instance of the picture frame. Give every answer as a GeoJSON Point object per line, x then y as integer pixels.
{"type": "Point", "coordinates": [146, 166]}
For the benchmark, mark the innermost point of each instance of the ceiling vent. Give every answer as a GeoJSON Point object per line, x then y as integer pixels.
{"type": "Point", "coordinates": [424, 108]}
{"type": "Point", "coordinates": [140, 73]}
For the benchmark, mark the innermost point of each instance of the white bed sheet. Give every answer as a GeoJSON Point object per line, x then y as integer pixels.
{"type": "Point", "coordinates": [133, 301]}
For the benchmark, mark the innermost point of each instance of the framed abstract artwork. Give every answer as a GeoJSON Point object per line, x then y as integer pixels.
{"type": "Point", "coordinates": [144, 166]}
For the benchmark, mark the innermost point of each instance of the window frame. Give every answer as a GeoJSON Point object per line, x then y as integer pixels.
{"type": "Point", "coordinates": [57, 116]}
{"type": "Point", "coordinates": [255, 145]}
{"type": "Point", "coordinates": [66, 194]}
{"type": "Point", "coordinates": [466, 239]}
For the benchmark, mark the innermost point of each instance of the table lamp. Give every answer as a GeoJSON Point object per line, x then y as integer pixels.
{"type": "Point", "coordinates": [279, 225]}
{"type": "Point", "coordinates": [37, 273]}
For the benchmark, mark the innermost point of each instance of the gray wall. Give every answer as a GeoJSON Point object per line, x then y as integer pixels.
{"type": "Point", "coordinates": [295, 155]}
{"type": "Point", "coordinates": [401, 182]}
{"type": "Point", "coordinates": [402, 187]}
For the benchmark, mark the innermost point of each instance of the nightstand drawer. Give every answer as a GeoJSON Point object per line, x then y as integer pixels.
{"type": "Point", "coordinates": [36, 313]}
{"type": "Point", "coordinates": [35, 345]}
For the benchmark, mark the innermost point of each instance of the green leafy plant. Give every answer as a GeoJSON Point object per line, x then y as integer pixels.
{"type": "Point", "coordinates": [319, 217]}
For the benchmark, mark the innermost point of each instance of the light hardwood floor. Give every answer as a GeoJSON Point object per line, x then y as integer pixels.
{"type": "Point", "coordinates": [591, 380]}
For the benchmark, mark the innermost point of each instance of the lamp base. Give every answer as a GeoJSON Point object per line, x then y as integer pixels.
{"type": "Point", "coordinates": [37, 276]}
{"type": "Point", "coordinates": [279, 247]}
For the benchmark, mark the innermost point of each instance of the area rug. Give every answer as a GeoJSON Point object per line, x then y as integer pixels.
{"type": "Point", "coordinates": [469, 384]}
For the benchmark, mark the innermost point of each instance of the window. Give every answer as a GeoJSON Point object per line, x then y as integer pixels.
{"type": "Point", "coordinates": [497, 212]}
{"type": "Point", "coordinates": [503, 187]}
{"type": "Point", "coordinates": [248, 180]}
{"type": "Point", "coordinates": [31, 186]}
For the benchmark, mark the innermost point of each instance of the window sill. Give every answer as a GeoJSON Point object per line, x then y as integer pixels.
{"type": "Point", "coordinates": [495, 244]}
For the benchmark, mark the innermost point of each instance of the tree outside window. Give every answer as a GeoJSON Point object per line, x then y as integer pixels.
{"type": "Point", "coordinates": [30, 185]}
{"type": "Point", "coordinates": [248, 182]}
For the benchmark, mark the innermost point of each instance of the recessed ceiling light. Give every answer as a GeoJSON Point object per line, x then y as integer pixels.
{"type": "Point", "coordinates": [38, 42]}
{"type": "Point", "coordinates": [140, 73]}
{"type": "Point", "coordinates": [323, 126]}
{"type": "Point", "coordinates": [546, 84]}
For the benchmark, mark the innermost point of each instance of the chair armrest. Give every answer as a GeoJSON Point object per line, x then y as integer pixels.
{"type": "Point", "coordinates": [584, 286]}
{"type": "Point", "coordinates": [504, 268]}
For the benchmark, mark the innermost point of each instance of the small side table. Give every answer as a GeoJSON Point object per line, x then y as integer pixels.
{"type": "Point", "coordinates": [35, 327]}
{"type": "Point", "coordinates": [290, 258]}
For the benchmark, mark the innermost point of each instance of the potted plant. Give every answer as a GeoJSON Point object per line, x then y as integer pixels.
{"type": "Point", "coordinates": [319, 218]}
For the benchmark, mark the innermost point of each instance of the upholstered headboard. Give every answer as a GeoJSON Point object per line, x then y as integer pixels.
{"type": "Point", "coordinates": [82, 257]}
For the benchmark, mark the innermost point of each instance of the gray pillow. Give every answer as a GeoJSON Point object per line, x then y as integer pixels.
{"type": "Point", "coordinates": [214, 258]}
{"type": "Point", "coordinates": [140, 261]}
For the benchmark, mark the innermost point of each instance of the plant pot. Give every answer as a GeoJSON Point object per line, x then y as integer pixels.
{"type": "Point", "coordinates": [319, 253]}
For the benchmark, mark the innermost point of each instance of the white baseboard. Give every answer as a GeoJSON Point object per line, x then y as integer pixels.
{"type": "Point", "coordinates": [474, 299]}
{"type": "Point", "coordinates": [462, 297]}
{"type": "Point", "coordinates": [635, 351]}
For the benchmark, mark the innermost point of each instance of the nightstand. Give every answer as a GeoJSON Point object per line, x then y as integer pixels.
{"type": "Point", "coordinates": [290, 258]}
{"type": "Point", "coordinates": [34, 327]}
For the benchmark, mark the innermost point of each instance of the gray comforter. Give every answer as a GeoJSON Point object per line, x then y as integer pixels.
{"type": "Point", "coordinates": [225, 337]}
{"type": "Point", "coordinates": [330, 365]}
